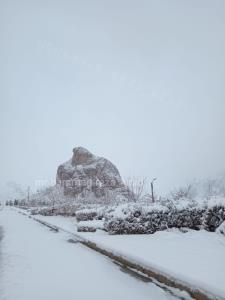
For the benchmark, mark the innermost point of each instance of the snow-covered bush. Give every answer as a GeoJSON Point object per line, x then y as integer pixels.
{"type": "Point", "coordinates": [65, 209]}
{"type": "Point", "coordinates": [190, 218]}
{"type": "Point", "coordinates": [89, 214]}
{"type": "Point", "coordinates": [44, 211]}
{"type": "Point", "coordinates": [214, 217]}
{"type": "Point", "coordinates": [134, 219]}
{"type": "Point", "coordinates": [137, 219]}
{"type": "Point", "coordinates": [86, 229]}
{"type": "Point", "coordinates": [97, 212]}
{"type": "Point", "coordinates": [221, 229]}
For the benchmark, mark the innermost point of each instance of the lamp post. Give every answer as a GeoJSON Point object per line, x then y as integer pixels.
{"type": "Point", "coordinates": [152, 189]}
{"type": "Point", "coordinates": [28, 194]}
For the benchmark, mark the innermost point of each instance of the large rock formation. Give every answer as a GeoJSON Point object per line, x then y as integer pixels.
{"type": "Point", "coordinates": [86, 176]}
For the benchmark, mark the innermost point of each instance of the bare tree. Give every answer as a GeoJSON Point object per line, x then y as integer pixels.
{"type": "Point", "coordinates": [136, 188]}
{"type": "Point", "coordinates": [183, 192]}
{"type": "Point", "coordinates": [210, 188]}
{"type": "Point", "coordinates": [55, 195]}
{"type": "Point", "coordinates": [108, 197]}
{"type": "Point", "coordinates": [152, 189]}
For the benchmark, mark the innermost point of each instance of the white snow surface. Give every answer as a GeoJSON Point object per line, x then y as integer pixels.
{"type": "Point", "coordinates": [195, 257]}
{"type": "Point", "coordinates": [68, 223]}
{"type": "Point", "coordinates": [37, 263]}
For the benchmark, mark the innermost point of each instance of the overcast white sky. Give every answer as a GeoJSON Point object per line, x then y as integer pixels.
{"type": "Point", "coordinates": [139, 82]}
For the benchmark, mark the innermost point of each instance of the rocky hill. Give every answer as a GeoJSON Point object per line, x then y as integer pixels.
{"type": "Point", "coordinates": [92, 178]}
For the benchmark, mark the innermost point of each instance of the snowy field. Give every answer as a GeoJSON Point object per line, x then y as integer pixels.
{"type": "Point", "coordinates": [36, 263]}
{"type": "Point", "coordinates": [196, 257]}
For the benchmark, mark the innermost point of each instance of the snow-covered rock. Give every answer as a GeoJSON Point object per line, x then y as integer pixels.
{"type": "Point", "coordinates": [86, 176]}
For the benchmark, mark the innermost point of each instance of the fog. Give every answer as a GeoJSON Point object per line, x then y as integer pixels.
{"type": "Point", "coordinates": [138, 82]}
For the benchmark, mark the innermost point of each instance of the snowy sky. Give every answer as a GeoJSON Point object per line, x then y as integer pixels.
{"type": "Point", "coordinates": [139, 82]}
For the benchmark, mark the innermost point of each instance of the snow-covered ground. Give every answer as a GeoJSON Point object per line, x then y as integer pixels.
{"type": "Point", "coordinates": [70, 223]}
{"type": "Point", "coordinates": [196, 257]}
{"type": "Point", "coordinates": [36, 263]}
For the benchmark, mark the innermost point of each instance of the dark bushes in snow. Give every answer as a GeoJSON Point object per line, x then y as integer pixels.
{"type": "Point", "coordinates": [214, 217]}
{"type": "Point", "coordinates": [87, 215]}
{"type": "Point", "coordinates": [93, 213]}
{"type": "Point", "coordinates": [190, 218]}
{"type": "Point", "coordinates": [62, 210]}
{"type": "Point", "coordinates": [140, 220]}
{"type": "Point", "coordinates": [153, 221]}
{"type": "Point", "coordinates": [86, 229]}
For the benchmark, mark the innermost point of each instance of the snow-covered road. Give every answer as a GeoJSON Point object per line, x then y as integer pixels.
{"type": "Point", "coordinates": [38, 264]}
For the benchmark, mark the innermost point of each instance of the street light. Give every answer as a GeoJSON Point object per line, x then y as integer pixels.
{"type": "Point", "coordinates": [28, 194]}
{"type": "Point", "coordinates": [152, 189]}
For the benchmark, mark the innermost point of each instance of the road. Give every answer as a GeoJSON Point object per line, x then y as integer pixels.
{"type": "Point", "coordinates": [38, 264]}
